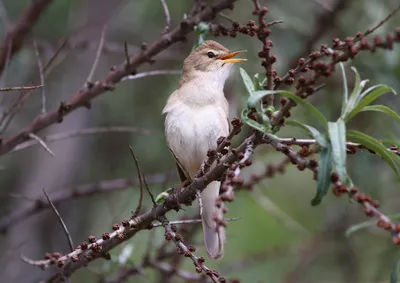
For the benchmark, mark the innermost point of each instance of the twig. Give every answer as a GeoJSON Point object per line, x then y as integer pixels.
{"type": "Point", "coordinates": [139, 174]}
{"type": "Point", "coordinates": [67, 234]}
{"type": "Point", "coordinates": [148, 190]}
{"type": "Point", "coordinates": [41, 142]}
{"type": "Point", "coordinates": [167, 16]}
{"type": "Point", "coordinates": [350, 145]}
{"type": "Point", "coordinates": [190, 221]}
{"type": "Point", "coordinates": [126, 54]}
{"type": "Point", "coordinates": [89, 79]}
{"type": "Point", "coordinates": [152, 73]}
{"type": "Point", "coordinates": [18, 88]}
{"type": "Point", "coordinates": [371, 30]}
{"type": "Point", "coordinates": [40, 67]}
{"type": "Point", "coordinates": [82, 132]}
{"type": "Point", "coordinates": [20, 29]}
{"type": "Point", "coordinates": [184, 250]}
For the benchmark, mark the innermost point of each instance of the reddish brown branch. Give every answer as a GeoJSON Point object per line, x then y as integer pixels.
{"type": "Point", "coordinates": [19, 30]}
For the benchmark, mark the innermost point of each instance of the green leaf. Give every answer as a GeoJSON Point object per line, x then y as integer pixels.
{"type": "Point", "coordinates": [355, 96]}
{"type": "Point", "coordinates": [247, 81]}
{"type": "Point", "coordinates": [383, 109]}
{"type": "Point", "coordinates": [345, 88]}
{"type": "Point", "coordinates": [366, 224]}
{"type": "Point", "coordinates": [260, 94]}
{"type": "Point", "coordinates": [337, 136]}
{"type": "Point", "coordinates": [372, 144]}
{"type": "Point", "coordinates": [324, 174]}
{"type": "Point", "coordinates": [320, 138]}
{"type": "Point", "coordinates": [251, 122]}
{"type": "Point", "coordinates": [394, 274]}
{"type": "Point", "coordinates": [370, 95]}
{"type": "Point", "coordinates": [309, 107]}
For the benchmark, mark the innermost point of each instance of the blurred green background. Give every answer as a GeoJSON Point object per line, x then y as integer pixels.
{"type": "Point", "coordinates": [280, 237]}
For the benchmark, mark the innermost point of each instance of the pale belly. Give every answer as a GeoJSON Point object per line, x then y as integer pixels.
{"type": "Point", "coordinates": [190, 134]}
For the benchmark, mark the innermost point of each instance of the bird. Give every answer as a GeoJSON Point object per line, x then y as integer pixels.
{"type": "Point", "coordinates": [196, 115]}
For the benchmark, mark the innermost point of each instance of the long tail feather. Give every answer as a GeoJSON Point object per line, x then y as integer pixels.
{"type": "Point", "coordinates": [213, 238]}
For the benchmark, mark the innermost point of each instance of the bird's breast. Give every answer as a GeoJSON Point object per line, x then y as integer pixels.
{"type": "Point", "coordinates": [192, 131]}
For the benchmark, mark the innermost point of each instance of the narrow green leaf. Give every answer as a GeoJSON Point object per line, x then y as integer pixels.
{"type": "Point", "coordinates": [383, 109]}
{"type": "Point", "coordinates": [370, 95]}
{"type": "Point", "coordinates": [394, 274]}
{"type": "Point", "coordinates": [372, 144]}
{"type": "Point", "coordinates": [345, 88]}
{"type": "Point", "coordinates": [309, 107]}
{"type": "Point", "coordinates": [337, 136]}
{"type": "Point", "coordinates": [324, 174]}
{"type": "Point", "coordinates": [320, 138]}
{"type": "Point", "coordinates": [355, 95]}
{"type": "Point", "coordinates": [251, 122]}
{"type": "Point", "coordinates": [248, 83]}
{"type": "Point", "coordinates": [366, 224]}
{"type": "Point", "coordinates": [260, 94]}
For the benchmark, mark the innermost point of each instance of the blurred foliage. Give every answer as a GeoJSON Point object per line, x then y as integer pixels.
{"type": "Point", "coordinates": [260, 247]}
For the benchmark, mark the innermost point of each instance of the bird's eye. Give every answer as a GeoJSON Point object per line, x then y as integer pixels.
{"type": "Point", "coordinates": [210, 54]}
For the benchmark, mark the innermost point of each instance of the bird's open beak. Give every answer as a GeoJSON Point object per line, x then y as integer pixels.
{"type": "Point", "coordinates": [229, 58]}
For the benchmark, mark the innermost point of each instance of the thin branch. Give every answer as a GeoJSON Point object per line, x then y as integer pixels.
{"type": "Point", "coordinates": [190, 221]}
{"type": "Point", "coordinates": [20, 29]}
{"type": "Point", "coordinates": [139, 174]}
{"type": "Point", "coordinates": [371, 30]}
{"type": "Point", "coordinates": [82, 132]}
{"type": "Point", "coordinates": [41, 142]}
{"type": "Point", "coordinates": [67, 234]}
{"type": "Point", "coordinates": [152, 73]}
{"type": "Point", "coordinates": [148, 191]}
{"type": "Point", "coordinates": [40, 67]}
{"type": "Point", "coordinates": [18, 88]}
{"type": "Point", "coordinates": [167, 17]}
{"type": "Point", "coordinates": [89, 79]}
{"type": "Point", "coordinates": [184, 250]}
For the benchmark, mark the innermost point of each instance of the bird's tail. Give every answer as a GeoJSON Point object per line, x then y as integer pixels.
{"type": "Point", "coordinates": [213, 238]}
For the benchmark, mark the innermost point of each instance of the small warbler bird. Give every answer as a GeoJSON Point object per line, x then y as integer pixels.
{"type": "Point", "coordinates": [196, 116]}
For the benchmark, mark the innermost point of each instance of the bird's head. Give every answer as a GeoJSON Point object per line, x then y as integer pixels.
{"type": "Point", "coordinates": [210, 60]}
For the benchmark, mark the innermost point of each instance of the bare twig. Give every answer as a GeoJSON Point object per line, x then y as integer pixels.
{"type": "Point", "coordinates": [152, 73]}
{"type": "Point", "coordinates": [89, 79]}
{"type": "Point", "coordinates": [40, 67]}
{"type": "Point", "coordinates": [41, 142]}
{"type": "Point", "coordinates": [18, 88]}
{"type": "Point", "coordinates": [20, 29]}
{"type": "Point", "coordinates": [67, 234]}
{"type": "Point", "coordinates": [184, 250]}
{"type": "Point", "coordinates": [167, 16]}
{"type": "Point", "coordinates": [190, 221]}
{"type": "Point", "coordinates": [148, 190]}
{"type": "Point", "coordinates": [82, 132]}
{"type": "Point", "coordinates": [371, 30]}
{"type": "Point", "coordinates": [139, 174]}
